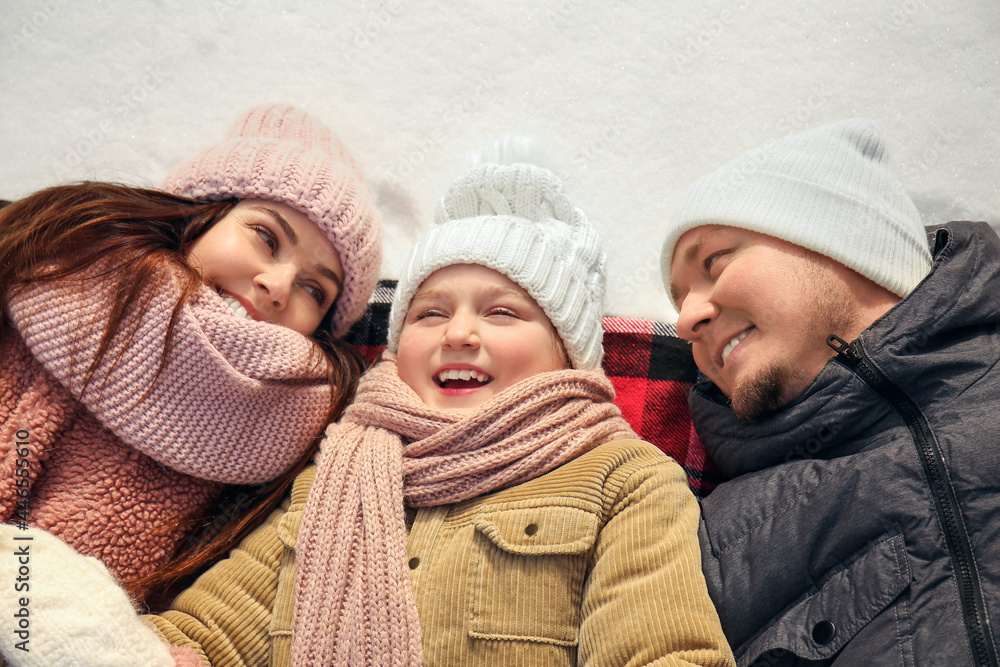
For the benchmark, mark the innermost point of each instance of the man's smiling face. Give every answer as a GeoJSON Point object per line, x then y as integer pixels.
{"type": "Point", "coordinates": [758, 310]}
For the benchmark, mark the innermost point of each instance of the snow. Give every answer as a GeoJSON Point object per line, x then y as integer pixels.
{"type": "Point", "coordinates": [633, 99]}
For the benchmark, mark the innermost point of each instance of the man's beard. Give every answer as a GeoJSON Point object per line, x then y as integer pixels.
{"type": "Point", "coordinates": [757, 397]}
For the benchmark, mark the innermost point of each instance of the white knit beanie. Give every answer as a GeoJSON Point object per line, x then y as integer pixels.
{"type": "Point", "coordinates": [515, 219]}
{"type": "Point", "coordinates": [830, 189]}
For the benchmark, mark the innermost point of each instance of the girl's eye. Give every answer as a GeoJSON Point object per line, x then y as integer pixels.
{"type": "Point", "coordinates": [501, 311]}
{"type": "Point", "coordinates": [429, 313]}
{"type": "Point", "coordinates": [267, 236]}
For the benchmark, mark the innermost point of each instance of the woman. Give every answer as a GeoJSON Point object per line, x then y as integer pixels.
{"type": "Point", "coordinates": [159, 348]}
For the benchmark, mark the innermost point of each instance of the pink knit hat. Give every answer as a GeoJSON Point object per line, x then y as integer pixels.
{"type": "Point", "coordinates": [282, 154]}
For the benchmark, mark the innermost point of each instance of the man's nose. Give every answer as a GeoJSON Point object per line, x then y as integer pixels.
{"type": "Point", "coordinates": [696, 312]}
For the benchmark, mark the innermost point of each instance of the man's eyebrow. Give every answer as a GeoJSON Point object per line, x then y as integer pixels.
{"type": "Point", "coordinates": [709, 235]}
{"type": "Point", "coordinates": [285, 227]}
{"type": "Point", "coordinates": [691, 253]}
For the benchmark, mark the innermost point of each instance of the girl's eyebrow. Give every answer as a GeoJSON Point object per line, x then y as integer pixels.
{"type": "Point", "coordinates": [425, 294]}
{"type": "Point", "coordinates": [496, 292]}
{"type": "Point", "coordinates": [490, 292]}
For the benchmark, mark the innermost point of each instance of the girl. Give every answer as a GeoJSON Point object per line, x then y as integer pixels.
{"type": "Point", "coordinates": [155, 348]}
{"type": "Point", "coordinates": [482, 501]}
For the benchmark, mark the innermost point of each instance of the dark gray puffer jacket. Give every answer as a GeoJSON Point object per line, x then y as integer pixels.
{"type": "Point", "coordinates": [862, 526]}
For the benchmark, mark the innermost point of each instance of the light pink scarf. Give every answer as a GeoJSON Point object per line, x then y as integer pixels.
{"type": "Point", "coordinates": [353, 602]}
{"type": "Point", "coordinates": [237, 401]}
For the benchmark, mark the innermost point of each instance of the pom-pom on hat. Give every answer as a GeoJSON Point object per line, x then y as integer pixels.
{"type": "Point", "coordinates": [282, 154]}
{"type": "Point", "coordinates": [516, 219]}
{"type": "Point", "coordinates": [830, 189]}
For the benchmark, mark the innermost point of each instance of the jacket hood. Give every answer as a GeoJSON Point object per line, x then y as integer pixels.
{"type": "Point", "coordinates": [923, 331]}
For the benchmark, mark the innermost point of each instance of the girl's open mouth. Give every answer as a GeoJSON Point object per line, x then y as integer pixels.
{"type": "Point", "coordinates": [465, 378]}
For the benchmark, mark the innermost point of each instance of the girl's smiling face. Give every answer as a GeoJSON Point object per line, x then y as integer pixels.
{"type": "Point", "coordinates": [471, 332]}
{"type": "Point", "coordinates": [270, 262]}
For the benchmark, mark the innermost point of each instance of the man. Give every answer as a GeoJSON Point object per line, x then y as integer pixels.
{"type": "Point", "coordinates": [850, 374]}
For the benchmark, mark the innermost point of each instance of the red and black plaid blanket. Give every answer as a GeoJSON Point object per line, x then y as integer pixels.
{"type": "Point", "coordinates": [649, 366]}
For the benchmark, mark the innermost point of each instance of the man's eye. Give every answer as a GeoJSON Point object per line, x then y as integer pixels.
{"type": "Point", "coordinates": [712, 259]}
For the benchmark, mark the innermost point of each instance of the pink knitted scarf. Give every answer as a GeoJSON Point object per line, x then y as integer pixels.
{"type": "Point", "coordinates": [237, 401]}
{"type": "Point", "coordinates": [353, 601]}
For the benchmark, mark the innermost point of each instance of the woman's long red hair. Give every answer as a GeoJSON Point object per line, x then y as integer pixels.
{"type": "Point", "coordinates": [141, 234]}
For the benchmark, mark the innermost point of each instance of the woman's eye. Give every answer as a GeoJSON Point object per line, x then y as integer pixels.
{"type": "Point", "coordinates": [316, 293]}
{"type": "Point", "coordinates": [267, 236]}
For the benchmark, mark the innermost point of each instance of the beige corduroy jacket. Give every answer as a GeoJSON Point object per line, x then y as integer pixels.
{"type": "Point", "coordinates": [594, 563]}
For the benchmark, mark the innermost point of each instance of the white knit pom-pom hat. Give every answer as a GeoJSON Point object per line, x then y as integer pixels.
{"type": "Point", "coordinates": [516, 219]}
{"type": "Point", "coordinates": [830, 189]}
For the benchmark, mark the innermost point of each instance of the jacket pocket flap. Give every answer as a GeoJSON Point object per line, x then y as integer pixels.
{"type": "Point", "coordinates": [540, 530]}
{"type": "Point", "coordinates": [288, 528]}
{"type": "Point", "coordinates": [826, 618]}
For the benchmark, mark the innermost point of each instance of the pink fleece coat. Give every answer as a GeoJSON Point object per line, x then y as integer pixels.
{"type": "Point", "coordinates": [88, 487]}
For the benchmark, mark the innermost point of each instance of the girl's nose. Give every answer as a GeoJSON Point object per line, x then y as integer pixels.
{"type": "Point", "coordinates": [461, 332]}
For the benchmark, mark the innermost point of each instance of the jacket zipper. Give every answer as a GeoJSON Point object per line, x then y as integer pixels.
{"type": "Point", "coordinates": [963, 561]}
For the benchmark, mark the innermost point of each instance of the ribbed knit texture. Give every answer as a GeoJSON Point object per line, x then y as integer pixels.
{"type": "Point", "coordinates": [237, 401]}
{"type": "Point", "coordinates": [354, 605]}
{"type": "Point", "coordinates": [831, 189]}
{"type": "Point", "coordinates": [88, 487]}
{"type": "Point", "coordinates": [517, 220]}
{"type": "Point", "coordinates": [282, 154]}
{"type": "Point", "coordinates": [227, 615]}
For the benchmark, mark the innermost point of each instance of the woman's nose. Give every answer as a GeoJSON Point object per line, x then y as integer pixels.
{"type": "Point", "coordinates": [276, 282]}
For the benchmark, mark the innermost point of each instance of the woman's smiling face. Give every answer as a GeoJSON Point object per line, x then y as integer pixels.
{"type": "Point", "coordinates": [270, 262]}
{"type": "Point", "coordinates": [471, 332]}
